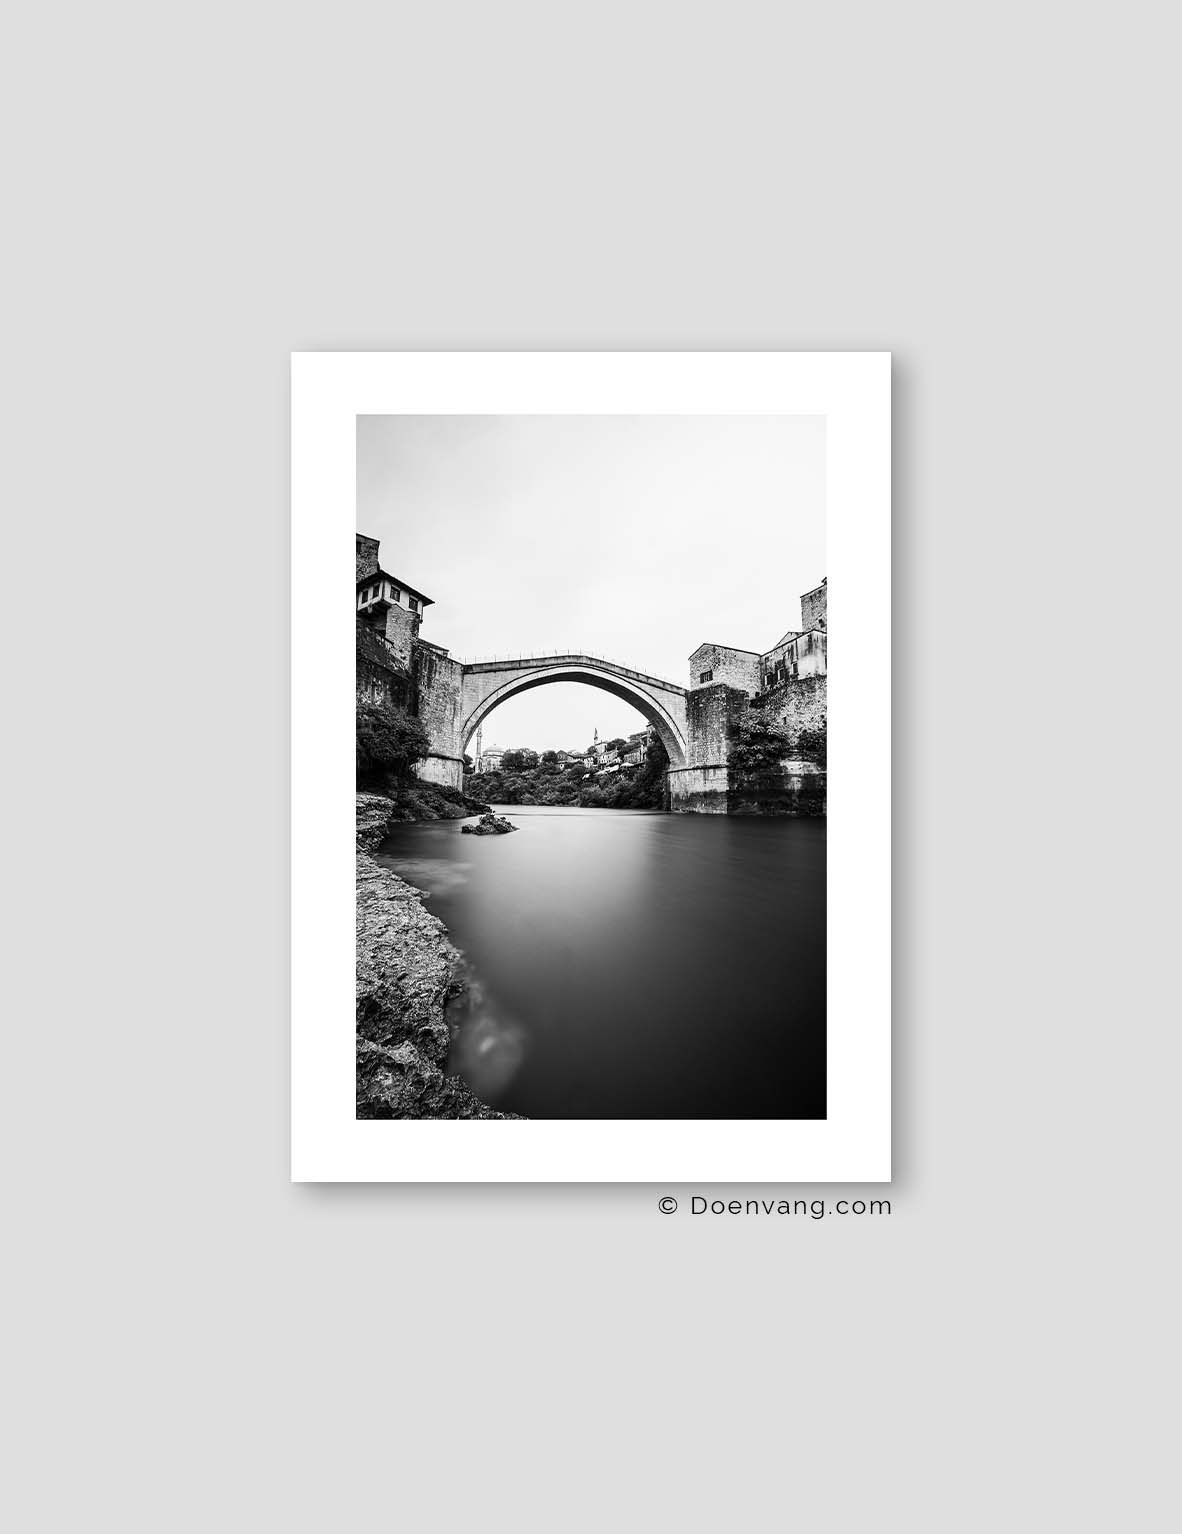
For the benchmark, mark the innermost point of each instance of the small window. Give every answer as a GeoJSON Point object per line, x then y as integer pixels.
{"type": "Point", "coordinates": [395, 594]}
{"type": "Point", "coordinates": [706, 676]}
{"type": "Point", "coordinates": [413, 604]}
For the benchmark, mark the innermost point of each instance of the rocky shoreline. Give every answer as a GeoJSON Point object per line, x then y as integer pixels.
{"type": "Point", "coordinates": [407, 971]}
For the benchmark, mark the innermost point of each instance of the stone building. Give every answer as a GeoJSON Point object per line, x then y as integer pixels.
{"type": "Point", "coordinates": [391, 608]}
{"type": "Point", "coordinates": [814, 607]}
{"type": "Point", "coordinates": [794, 656]}
{"type": "Point", "coordinates": [785, 687]}
{"type": "Point", "coordinates": [636, 746]}
{"type": "Point", "coordinates": [714, 663]}
{"type": "Point", "coordinates": [393, 611]}
{"type": "Point", "coordinates": [799, 653]}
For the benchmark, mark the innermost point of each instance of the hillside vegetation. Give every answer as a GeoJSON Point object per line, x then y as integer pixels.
{"type": "Point", "coordinates": [629, 788]}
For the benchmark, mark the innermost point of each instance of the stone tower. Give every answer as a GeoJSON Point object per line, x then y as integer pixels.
{"type": "Point", "coordinates": [367, 556]}
{"type": "Point", "coordinates": [391, 607]}
{"type": "Point", "coordinates": [814, 607]}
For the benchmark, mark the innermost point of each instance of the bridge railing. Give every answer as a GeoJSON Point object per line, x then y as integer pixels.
{"type": "Point", "coordinates": [568, 654]}
{"type": "Point", "coordinates": [485, 660]}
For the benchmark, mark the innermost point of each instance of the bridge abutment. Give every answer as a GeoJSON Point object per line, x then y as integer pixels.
{"type": "Point", "coordinates": [438, 685]}
{"type": "Point", "coordinates": [711, 784]}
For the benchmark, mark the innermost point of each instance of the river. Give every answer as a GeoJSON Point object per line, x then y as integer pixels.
{"type": "Point", "coordinates": [633, 964]}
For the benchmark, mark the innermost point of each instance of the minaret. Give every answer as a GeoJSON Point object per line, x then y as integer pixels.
{"type": "Point", "coordinates": [476, 759]}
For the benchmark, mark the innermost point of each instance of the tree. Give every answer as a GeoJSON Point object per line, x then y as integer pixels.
{"type": "Point", "coordinates": [811, 745]}
{"type": "Point", "coordinates": [758, 746]}
{"type": "Point", "coordinates": [389, 742]}
{"type": "Point", "coordinates": [650, 778]}
{"type": "Point", "coordinates": [513, 761]}
{"type": "Point", "coordinates": [549, 758]}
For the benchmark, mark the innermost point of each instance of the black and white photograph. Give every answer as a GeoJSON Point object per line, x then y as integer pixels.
{"type": "Point", "coordinates": [591, 829]}
{"type": "Point", "coordinates": [591, 744]}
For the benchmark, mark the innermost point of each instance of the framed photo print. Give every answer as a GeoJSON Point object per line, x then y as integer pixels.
{"type": "Point", "coordinates": [591, 793]}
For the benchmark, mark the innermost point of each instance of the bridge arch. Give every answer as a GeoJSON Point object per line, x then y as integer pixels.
{"type": "Point", "coordinates": [489, 685]}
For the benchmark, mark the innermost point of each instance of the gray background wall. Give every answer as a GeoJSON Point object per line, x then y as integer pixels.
{"type": "Point", "coordinates": [196, 192]}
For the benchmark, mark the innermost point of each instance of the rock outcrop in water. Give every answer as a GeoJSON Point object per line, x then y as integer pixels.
{"type": "Point", "coordinates": [489, 825]}
{"type": "Point", "coordinates": [406, 973]}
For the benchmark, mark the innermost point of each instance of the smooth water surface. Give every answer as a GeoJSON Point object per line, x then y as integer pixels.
{"type": "Point", "coordinates": [628, 964]}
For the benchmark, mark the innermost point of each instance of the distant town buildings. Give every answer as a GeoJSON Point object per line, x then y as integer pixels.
{"type": "Point", "coordinates": [600, 756]}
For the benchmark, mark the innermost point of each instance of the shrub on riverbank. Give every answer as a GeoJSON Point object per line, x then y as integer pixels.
{"type": "Point", "coordinates": [415, 800]}
{"type": "Point", "coordinates": [389, 743]}
{"type": "Point", "coordinates": [812, 746]}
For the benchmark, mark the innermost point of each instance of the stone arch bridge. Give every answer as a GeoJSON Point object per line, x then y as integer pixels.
{"type": "Point", "coordinates": [454, 697]}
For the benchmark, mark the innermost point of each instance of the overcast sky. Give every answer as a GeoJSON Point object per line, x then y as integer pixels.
{"type": "Point", "coordinates": [631, 537]}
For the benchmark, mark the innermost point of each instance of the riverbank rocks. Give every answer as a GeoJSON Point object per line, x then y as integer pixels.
{"type": "Point", "coordinates": [489, 825]}
{"type": "Point", "coordinates": [373, 819]}
{"type": "Point", "coordinates": [406, 973]}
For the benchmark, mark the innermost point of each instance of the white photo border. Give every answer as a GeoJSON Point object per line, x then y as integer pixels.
{"type": "Point", "coordinates": [329, 391]}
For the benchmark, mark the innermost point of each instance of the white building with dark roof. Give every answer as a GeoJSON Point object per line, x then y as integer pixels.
{"type": "Point", "coordinates": [391, 607]}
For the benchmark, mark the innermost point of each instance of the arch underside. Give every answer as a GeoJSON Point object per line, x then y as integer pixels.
{"type": "Point", "coordinates": [658, 716]}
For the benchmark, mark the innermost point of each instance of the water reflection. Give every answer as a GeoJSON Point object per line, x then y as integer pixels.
{"type": "Point", "coordinates": [624, 964]}
{"type": "Point", "coordinates": [437, 875]}
{"type": "Point", "coordinates": [487, 1046]}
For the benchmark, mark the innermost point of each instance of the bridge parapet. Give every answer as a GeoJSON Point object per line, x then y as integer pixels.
{"type": "Point", "coordinates": [561, 657]}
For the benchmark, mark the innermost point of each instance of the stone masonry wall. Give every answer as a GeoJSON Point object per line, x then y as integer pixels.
{"type": "Point", "coordinates": [708, 785]}
{"type": "Point", "coordinates": [796, 706]}
{"type": "Point", "coordinates": [438, 680]}
{"type": "Point", "coordinates": [367, 556]}
{"type": "Point", "coordinates": [777, 793]}
{"type": "Point", "coordinates": [814, 607]}
{"type": "Point", "coordinates": [402, 629]}
{"type": "Point", "coordinates": [380, 679]}
{"type": "Point", "coordinates": [699, 790]}
{"type": "Point", "coordinates": [712, 714]}
{"type": "Point", "coordinates": [737, 668]}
